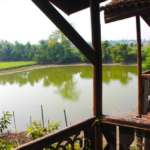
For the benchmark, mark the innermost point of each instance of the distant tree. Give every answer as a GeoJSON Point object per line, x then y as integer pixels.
{"type": "Point", "coordinates": [106, 50]}
{"type": "Point", "coordinates": [59, 50]}
{"type": "Point", "coordinates": [116, 54]}
{"type": "Point", "coordinates": [41, 55]}
{"type": "Point", "coordinates": [146, 56]}
{"type": "Point", "coordinates": [5, 50]}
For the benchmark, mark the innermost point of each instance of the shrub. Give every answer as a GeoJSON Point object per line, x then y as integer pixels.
{"type": "Point", "coordinates": [35, 130]}
{"type": "Point", "coordinates": [52, 126]}
{"type": "Point", "coordinates": [5, 121]}
{"type": "Point", "coordinates": [4, 145]}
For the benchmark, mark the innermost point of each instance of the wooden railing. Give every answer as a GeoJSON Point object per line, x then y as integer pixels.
{"type": "Point", "coordinates": [75, 137]}
{"type": "Point", "coordinates": [120, 133]}
{"type": "Point", "coordinates": [126, 133]}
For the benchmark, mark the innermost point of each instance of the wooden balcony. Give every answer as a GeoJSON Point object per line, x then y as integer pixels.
{"type": "Point", "coordinates": [119, 132]}
{"type": "Point", "coordinates": [77, 136]}
{"type": "Point", "coordinates": [100, 132]}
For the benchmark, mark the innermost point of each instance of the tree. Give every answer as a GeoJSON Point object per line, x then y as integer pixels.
{"type": "Point", "coordinates": [146, 62]}
{"type": "Point", "coordinates": [106, 48]}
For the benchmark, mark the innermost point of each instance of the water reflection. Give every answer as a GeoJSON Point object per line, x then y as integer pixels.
{"type": "Point", "coordinates": [118, 73]}
{"type": "Point", "coordinates": [64, 75]}
{"type": "Point", "coordinates": [67, 88]}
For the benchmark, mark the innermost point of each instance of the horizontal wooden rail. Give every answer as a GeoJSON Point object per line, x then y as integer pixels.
{"type": "Point", "coordinates": [146, 76]}
{"type": "Point", "coordinates": [47, 140]}
{"type": "Point", "coordinates": [126, 133]}
{"type": "Point", "coordinates": [129, 121]}
{"type": "Point", "coordinates": [146, 72]}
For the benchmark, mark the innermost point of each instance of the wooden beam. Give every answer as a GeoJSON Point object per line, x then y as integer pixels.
{"type": "Point", "coordinates": [146, 18]}
{"type": "Point", "coordinates": [72, 6]}
{"type": "Point", "coordinates": [96, 42]}
{"type": "Point", "coordinates": [97, 80]}
{"type": "Point", "coordinates": [139, 64]}
{"type": "Point", "coordinates": [123, 13]}
{"type": "Point", "coordinates": [130, 122]}
{"type": "Point", "coordinates": [48, 9]}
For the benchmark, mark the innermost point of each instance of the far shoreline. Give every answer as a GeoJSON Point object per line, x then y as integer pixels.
{"type": "Point", "coordinates": [38, 66]}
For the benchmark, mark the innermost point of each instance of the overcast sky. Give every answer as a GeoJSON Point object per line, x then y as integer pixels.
{"type": "Point", "coordinates": [21, 20]}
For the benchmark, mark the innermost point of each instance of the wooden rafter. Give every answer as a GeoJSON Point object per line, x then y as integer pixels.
{"type": "Point", "coordinates": [48, 9]}
{"type": "Point", "coordinates": [72, 6]}
{"type": "Point", "coordinates": [146, 18]}
{"type": "Point", "coordinates": [126, 9]}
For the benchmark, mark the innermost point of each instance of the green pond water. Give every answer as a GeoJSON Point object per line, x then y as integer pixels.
{"type": "Point", "coordinates": [69, 88]}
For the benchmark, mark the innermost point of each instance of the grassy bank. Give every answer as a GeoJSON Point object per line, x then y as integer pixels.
{"type": "Point", "coordinates": [29, 66]}
{"type": "Point", "coordinates": [15, 64]}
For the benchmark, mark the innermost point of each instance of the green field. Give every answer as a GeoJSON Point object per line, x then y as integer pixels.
{"type": "Point", "coordinates": [15, 64]}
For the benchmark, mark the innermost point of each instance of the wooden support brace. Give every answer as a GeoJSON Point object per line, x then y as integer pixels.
{"type": "Point", "coordinates": [146, 18]}
{"type": "Point", "coordinates": [48, 9]}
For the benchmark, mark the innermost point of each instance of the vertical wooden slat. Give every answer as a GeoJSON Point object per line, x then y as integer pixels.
{"type": "Point", "coordinates": [139, 141]}
{"type": "Point", "coordinates": [109, 132]}
{"type": "Point", "coordinates": [126, 137]}
{"type": "Point", "coordinates": [147, 141]}
{"type": "Point", "coordinates": [139, 64]}
{"type": "Point", "coordinates": [96, 42]}
{"type": "Point", "coordinates": [89, 138]}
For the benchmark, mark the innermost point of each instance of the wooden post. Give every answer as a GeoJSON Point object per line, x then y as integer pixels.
{"type": "Point", "coordinates": [139, 64]}
{"type": "Point", "coordinates": [139, 73]}
{"type": "Point", "coordinates": [97, 81]}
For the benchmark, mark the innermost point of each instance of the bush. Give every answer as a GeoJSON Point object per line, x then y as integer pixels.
{"type": "Point", "coordinates": [5, 121]}
{"type": "Point", "coordinates": [52, 126]}
{"type": "Point", "coordinates": [35, 130]}
{"type": "Point", "coordinates": [4, 145]}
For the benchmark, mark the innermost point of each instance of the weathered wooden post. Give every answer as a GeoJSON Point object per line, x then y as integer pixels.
{"type": "Point", "coordinates": [139, 73]}
{"type": "Point", "coordinates": [139, 64]}
{"type": "Point", "coordinates": [97, 80]}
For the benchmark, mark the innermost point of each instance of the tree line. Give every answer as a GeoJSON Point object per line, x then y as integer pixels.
{"type": "Point", "coordinates": [59, 50]}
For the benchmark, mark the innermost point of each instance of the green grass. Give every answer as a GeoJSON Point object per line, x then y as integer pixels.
{"type": "Point", "coordinates": [15, 64]}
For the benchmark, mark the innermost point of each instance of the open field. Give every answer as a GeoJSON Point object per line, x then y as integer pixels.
{"type": "Point", "coordinates": [15, 64]}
